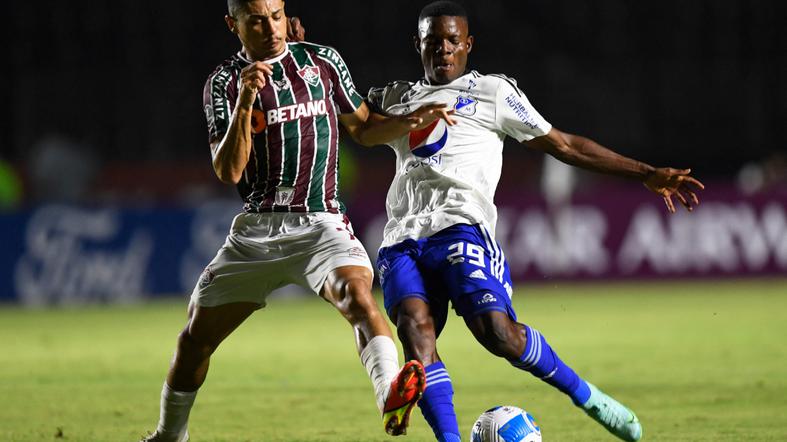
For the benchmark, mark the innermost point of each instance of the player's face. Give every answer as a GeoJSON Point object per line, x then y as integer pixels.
{"type": "Point", "coordinates": [443, 43]}
{"type": "Point", "coordinates": [262, 28]}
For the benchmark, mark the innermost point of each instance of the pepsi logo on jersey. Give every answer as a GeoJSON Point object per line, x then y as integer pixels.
{"type": "Point", "coordinates": [428, 141]}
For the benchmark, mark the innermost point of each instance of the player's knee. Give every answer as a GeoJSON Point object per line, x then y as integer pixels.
{"type": "Point", "coordinates": [415, 326]}
{"type": "Point", "coordinates": [192, 346]}
{"type": "Point", "coordinates": [357, 301]}
{"type": "Point", "coordinates": [416, 332]}
{"type": "Point", "coordinates": [414, 322]}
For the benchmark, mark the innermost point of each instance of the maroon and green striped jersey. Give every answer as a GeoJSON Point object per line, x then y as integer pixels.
{"type": "Point", "coordinates": [294, 163]}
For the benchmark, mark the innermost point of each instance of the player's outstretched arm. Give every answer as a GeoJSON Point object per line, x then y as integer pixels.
{"type": "Point", "coordinates": [587, 154]}
{"type": "Point", "coordinates": [368, 128]}
{"type": "Point", "coordinates": [231, 153]}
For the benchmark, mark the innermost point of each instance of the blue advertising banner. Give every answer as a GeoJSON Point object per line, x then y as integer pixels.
{"type": "Point", "coordinates": [58, 254]}
{"type": "Point", "coordinates": [61, 254]}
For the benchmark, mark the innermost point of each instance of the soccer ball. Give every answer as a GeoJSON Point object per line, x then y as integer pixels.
{"type": "Point", "coordinates": [505, 424]}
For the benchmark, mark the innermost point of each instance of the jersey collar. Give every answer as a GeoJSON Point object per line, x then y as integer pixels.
{"type": "Point", "coordinates": [275, 59]}
{"type": "Point", "coordinates": [424, 82]}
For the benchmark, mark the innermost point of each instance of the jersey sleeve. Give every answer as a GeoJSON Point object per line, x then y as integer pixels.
{"type": "Point", "coordinates": [515, 116]}
{"type": "Point", "coordinates": [216, 99]}
{"type": "Point", "coordinates": [381, 99]}
{"type": "Point", "coordinates": [375, 99]}
{"type": "Point", "coordinates": [344, 93]}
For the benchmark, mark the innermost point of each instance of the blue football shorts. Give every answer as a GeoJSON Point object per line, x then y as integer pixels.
{"type": "Point", "coordinates": [462, 264]}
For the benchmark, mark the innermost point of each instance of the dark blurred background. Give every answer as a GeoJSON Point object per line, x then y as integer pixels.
{"type": "Point", "coordinates": [699, 83]}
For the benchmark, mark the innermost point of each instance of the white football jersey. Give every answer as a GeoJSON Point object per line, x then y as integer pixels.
{"type": "Point", "coordinates": [448, 175]}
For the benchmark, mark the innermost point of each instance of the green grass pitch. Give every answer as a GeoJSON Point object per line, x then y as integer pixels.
{"type": "Point", "coordinates": [697, 361]}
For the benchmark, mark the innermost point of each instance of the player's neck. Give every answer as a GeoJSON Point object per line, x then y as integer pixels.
{"type": "Point", "coordinates": [433, 82]}
{"type": "Point", "coordinates": [264, 56]}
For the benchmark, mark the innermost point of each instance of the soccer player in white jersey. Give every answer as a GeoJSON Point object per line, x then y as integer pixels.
{"type": "Point", "coordinates": [439, 243]}
{"type": "Point", "coordinates": [273, 111]}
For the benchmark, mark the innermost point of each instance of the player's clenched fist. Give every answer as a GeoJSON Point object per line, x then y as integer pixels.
{"type": "Point", "coordinates": [252, 79]}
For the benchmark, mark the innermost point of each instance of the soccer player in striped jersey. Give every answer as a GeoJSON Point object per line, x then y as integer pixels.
{"type": "Point", "coordinates": [439, 244]}
{"type": "Point", "coordinates": [273, 112]}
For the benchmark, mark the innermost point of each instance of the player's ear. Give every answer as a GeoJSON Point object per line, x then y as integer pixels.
{"type": "Point", "coordinates": [470, 42]}
{"type": "Point", "coordinates": [417, 43]}
{"type": "Point", "coordinates": [231, 25]}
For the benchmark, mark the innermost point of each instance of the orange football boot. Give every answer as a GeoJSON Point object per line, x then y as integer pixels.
{"type": "Point", "coordinates": [406, 388]}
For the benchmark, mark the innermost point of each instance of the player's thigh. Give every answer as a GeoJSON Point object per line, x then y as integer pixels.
{"type": "Point", "coordinates": [325, 245]}
{"type": "Point", "coordinates": [410, 288]}
{"type": "Point", "coordinates": [400, 276]}
{"type": "Point", "coordinates": [473, 270]}
{"type": "Point", "coordinates": [244, 270]}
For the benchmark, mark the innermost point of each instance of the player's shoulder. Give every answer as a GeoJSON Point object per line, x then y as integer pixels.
{"type": "Point", "coordinates": [325, 52]}
{"type": "Point", "coordinates": [393, 89]}
{"type": "Point", "coordinates": [382, 98]}
{"type": "Point", "coordinates": [226, 69]}
{"type": "Point", "coordinates": [493, 82]}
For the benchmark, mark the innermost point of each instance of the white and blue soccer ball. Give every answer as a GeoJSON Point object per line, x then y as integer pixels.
{"type": "Point", "coordinates": [505, 424]}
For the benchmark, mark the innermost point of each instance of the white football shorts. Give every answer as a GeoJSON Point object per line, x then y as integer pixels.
{"type": "Point", "coordinates": [266, 251]}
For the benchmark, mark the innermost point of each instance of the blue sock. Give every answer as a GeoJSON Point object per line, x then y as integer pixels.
{"type": "Point", "coordinates": [437, 404]}
{"type": "Point", "coordinates": [541, 361]}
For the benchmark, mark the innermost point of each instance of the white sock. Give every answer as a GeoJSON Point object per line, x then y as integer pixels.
{"type": "Point", "coordinates": [175, 408]}
{"type": "Point", "coordinates": [381, 360]}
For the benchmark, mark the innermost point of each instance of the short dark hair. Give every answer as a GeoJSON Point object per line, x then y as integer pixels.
{"type": "Point", "coordinates": [235, 6]}
{"type": "Point", "coordinates": [443, 8]}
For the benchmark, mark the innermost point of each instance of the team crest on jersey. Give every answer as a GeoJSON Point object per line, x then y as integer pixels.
{"type": "Point", "coordinates": [310, 74]}
{"type": "Point", "coordinates": [465, 105]}
{"type": "Point", "coordinates": [428, 141]}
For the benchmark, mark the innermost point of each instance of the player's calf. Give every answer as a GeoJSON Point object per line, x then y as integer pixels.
{"type": "Point", "coordinates": [415, 328]}
{"type": "Point", "coordinates": [539, 359]}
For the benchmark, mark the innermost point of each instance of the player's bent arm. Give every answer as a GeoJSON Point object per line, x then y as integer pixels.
{"type": "Point", "coordinates": [587, 154]}
{"type": "Point", "coordinates": [369, 128]}
{"type": "Point", "coordinates": [231, 153]}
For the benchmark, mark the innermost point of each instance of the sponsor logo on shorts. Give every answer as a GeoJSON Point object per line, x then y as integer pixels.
{"type": "Point", "coordinates": [382, 269]}
{"type": "Point", "coordinates": [356, 252]}
{"type": "Point", "coordinates": [488, 298]}
{"type": "Point", "coordinates": [478, 274]}
{"type": "Point", "coordinates": [206, 277]}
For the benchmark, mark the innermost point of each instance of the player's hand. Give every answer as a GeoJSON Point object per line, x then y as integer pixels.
{"type": "Point", "coordinates": [252, 79]}
{"type": "Point", "coordinates": [669, 182]}
{"type": "Point", "coordinates": [427, 115]}
{"type": "Point", "coordinates": [295, 30]}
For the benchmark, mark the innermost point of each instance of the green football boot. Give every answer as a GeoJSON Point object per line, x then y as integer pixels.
{"type": "Point", "coordinates": [613, 415]}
